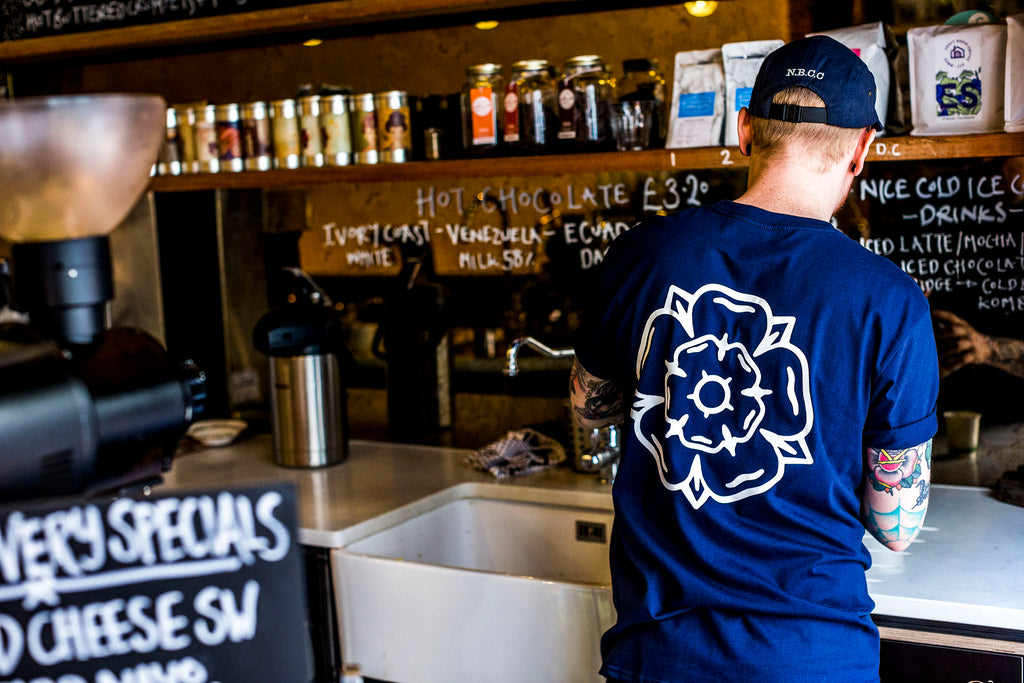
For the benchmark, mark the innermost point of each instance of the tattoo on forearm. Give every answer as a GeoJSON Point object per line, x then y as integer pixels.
{"type": "Point", "coordinates": [898, 472]}
{"type": "Point", "coordinates": [1007, 354]}
{"type": "Point", "coordinates": [600, 398]}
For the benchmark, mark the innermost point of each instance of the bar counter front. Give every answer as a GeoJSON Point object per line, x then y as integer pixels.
{"type": "Point", "coordinates": [959, 588]}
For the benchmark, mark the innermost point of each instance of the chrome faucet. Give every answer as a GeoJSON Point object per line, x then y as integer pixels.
{"type": "Point", "coordinates": [597, 452]}
{"type": "Point", "coordinates": [602, 457]}
{"type": "Point", "coordinates": [512, 353]}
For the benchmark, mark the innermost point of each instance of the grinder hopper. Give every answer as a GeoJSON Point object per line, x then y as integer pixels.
{"type": "Point", "coordinates": [71, 167]}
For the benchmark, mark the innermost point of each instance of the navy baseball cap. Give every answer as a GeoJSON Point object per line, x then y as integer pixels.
{"type": "Point", "coordinates": [825, 66]}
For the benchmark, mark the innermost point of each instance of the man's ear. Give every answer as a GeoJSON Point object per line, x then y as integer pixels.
{"type": "Point", "coordinates": [860, 155]}
{"type": "Point", "coordinates": [743, 132]}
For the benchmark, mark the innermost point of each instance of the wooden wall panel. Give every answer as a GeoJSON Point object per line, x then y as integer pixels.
{"type": "Point", "coordinates": [433, 61]}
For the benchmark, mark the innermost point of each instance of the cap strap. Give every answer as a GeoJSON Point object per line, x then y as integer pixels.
{"type": "Point", "coordinates": [796, 114]}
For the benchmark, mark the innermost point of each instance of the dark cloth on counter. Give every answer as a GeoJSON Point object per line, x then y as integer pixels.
{"type": "Point", "coordinates": [522, 451]}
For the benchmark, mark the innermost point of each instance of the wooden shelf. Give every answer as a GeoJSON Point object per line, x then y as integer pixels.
{"type": "Point", "coordinates": [252, 24]}
{"type": "Point", "coordinates": [650, 161]}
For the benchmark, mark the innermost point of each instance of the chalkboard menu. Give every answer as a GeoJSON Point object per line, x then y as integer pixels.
{"type": "Point", "coordinates": [37, 18]}
{"type": "Point", "coordinates": [494, 227]}
{"type": "Point", "coordinates": [956, 227]}
{"type": "Point", "coordinates": [200, 587]}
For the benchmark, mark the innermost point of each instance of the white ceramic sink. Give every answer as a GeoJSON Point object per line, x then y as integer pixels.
{"type": "Point", "coordinates": [480, 582]}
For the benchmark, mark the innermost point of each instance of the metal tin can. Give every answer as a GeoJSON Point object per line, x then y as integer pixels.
{"type": "Point", "coordinates": [285, 126]}
{"type": "Point", "coordinates": [169, 159]}
{"type": "Point", "coordinates": [364, 129]}
{"type": "Point", "coordinates": [186, 117]}
{"type": "Point", "coordinates": [393, 126]}
{"type": "Point", "coordinates": [229, 137]}
{"type": "Point", "coordinates": [337, 129]}
{"type": "Point", "coordinates": [256, 140]}
{"type": "Point", "coordinates": [309, 131]}
{"type": "Point", "coordinates": [206, 139]}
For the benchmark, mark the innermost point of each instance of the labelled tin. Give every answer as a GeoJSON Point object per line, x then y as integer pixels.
{"type": "Point", "coordinates": [364, 129]}
{"type": "Point", "coordinates": [393, 126]}
{"type": "Point", "coordinates": [229, 137]}
{"type": "Point", "coordinates": [169, 159]}
{"type": "Point", "coordinates": [284, 121]}
{"type": "Point", "coordinates": [186, 117]}
{"type": "Point", "coordinates": [309, 131]}
{"type": "Point", "coordinates": [207, 158]}
{"type": "Point", "coordinates": [336, 126]}
{"type": "Point", "coordinates": [256, 137]}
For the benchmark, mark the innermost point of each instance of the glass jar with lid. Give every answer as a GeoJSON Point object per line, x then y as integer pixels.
{"type": "Point", "coordinates": [642, 80]}
{"type": "Point", "coordinates": [536, 103]}
{"type": "Point", "coordinates": [586, 90]}
{"type": "Point", "coordinates": [481, 103]}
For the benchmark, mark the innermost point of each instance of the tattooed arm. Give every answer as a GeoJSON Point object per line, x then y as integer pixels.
{"type": "Point", "coordinates": [895, 496]}
{"type": "Point", "coordinates": [597, 402]}
{"type": "Point", "coordinates": [960, 344]}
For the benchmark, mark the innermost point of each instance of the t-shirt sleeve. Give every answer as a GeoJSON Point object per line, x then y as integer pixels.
{"type": "Point", "coordinates": [595, 337]}
{"type": "Point", "coordinates": [592, 337]}
{"type": "Point", "coordinates": [905, 392]}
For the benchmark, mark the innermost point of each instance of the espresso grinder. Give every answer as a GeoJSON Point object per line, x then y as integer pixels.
{"type": "Point", "coordinates": [84, 408]}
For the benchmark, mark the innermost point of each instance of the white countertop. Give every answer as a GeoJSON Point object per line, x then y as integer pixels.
{"type": "Point", "coordinates": [967, 566]}
{"type": "Point", "coordinates": [376, 478]}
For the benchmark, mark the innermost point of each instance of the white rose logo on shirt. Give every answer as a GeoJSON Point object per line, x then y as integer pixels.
{"type": "Point", "coordinates": [723, 396]}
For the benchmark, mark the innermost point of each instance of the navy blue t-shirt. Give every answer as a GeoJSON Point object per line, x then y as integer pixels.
{"type": "Point", "coordinates": [758, 355]}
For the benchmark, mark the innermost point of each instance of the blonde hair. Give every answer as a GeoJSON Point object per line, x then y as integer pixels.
{"type": "Point", "coordinates": [822, 145]}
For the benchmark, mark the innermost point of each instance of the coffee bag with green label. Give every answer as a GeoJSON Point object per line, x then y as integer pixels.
{"type": "Point", "coordinates": [957, 78]}
{"type": "Point", "coordinates": [1014, 99]}
{"type": "Point", "coordinates": [698, 100]}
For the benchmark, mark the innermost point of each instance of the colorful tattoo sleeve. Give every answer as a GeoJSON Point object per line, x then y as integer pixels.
{"type": "Point", "coordinates": [895, 496]}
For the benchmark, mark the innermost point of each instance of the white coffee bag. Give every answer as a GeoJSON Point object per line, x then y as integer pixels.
{"type": "Point", "coordinates": [873, 43]}
{"type": "Point", "coordinates": [957, 78]}
{"type": "Point", "coordinates": [698, 100]}
{"type": "Point", "coordinates": [742, 61]}
{"type": "Point", "coordinates": [1014, 95]}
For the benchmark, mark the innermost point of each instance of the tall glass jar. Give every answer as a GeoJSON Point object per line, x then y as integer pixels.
{"type": "Point", "coordinates": [584, 95]}
{"type": "Point", "coordinates": [481, 104]}
{"type": "Point", "coordinates": [536, 96]}
{"type": "Point", "coordinates": [642, 80]}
